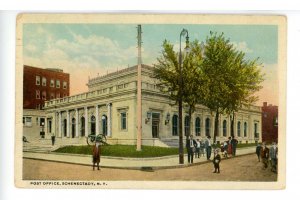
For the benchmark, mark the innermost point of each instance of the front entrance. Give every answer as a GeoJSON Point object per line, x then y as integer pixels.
{"type": "Point", "coordinates": [155, 125]}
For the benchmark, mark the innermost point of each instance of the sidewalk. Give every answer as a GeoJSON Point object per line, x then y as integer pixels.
{"type": "Point", "coordinates": [125, 163]}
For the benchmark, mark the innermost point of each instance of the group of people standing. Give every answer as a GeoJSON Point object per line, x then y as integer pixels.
{"type": "Point", "coordinates": [266, 155]}
{"type": "Point", "coordinates": [229, 147]}
{"type": "Point", "coordinates": [196, 147]}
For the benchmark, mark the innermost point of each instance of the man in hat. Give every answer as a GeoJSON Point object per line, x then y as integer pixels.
{"type": "Point", "coordinates": [191, 147]}
{"type": "Point", "coordinates": [273, 156]}
{"type": "Point", "coordinates": [264, 154]}
{"type": "Point", "coordinates": [208, 147]}
{"type": "Point", "coordinates": [96, 155]}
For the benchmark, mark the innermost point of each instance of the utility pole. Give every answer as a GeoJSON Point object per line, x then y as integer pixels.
{"type": "Point", "coordinates": [139, 91]}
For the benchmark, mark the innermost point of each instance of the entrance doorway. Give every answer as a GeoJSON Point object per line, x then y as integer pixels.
{"type": "Point", "coordinates": [155, 125]}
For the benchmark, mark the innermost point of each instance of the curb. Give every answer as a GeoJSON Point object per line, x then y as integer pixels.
{"type": "Point", "coordinates": [142, 168]}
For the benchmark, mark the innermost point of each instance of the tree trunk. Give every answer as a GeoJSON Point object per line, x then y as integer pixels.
{"type": "Point", "coordinates": [190, 118]}
{"type": "Point", "coordinates": [232, 125]}
{"type": "Point", "coordinates": [216, 131]}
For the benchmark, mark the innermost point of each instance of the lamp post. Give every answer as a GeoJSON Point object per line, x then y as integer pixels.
{"type": "Point", "coordinates": [182, 34]}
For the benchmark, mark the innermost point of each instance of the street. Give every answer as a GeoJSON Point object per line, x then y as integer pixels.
{"type": "Point", "coordinates": [243, 168]}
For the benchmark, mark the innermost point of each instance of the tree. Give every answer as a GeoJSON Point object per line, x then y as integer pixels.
{"type": "Point", "coordinates": [180, 83]}
{"type": "Point", "coordinates": [230, 80]}
{"type": "Point", "coordinates": [168, 73]}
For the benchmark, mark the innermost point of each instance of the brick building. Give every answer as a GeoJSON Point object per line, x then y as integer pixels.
{"type": "Point", "coordinates": [269, 122]}
{"type": "Point", "coordinates": [40, 85]}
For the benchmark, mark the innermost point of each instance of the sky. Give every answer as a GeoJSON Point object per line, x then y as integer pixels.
{"type": "Point", "coordinates": [89, 50]}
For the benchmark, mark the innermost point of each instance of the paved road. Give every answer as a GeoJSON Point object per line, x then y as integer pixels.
{"type": "Point", "coordinates": [243, 168]}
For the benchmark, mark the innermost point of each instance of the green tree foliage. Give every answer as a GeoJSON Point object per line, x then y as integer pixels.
{"type": "Point", "coordinates": [214, 74]}
{"type": "Point", "coordinates": [230, 80]}
{"type": "Point", "coordinates": [167, 71]}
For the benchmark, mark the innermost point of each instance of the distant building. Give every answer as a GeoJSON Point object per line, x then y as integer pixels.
{"type": "Point", "coordinates": [40, 85]}
{"type": "Point", "coordinates": [109, 107]}
{"type": "Point", "coordinates": [269, 122]}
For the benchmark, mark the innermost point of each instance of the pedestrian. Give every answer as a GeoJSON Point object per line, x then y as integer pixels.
{"type": "Point", "coordinates": [234, 144]}
{"type": "Point", "coordinates": [191, 148]}
{"type": "Point", "coordinates": [273, 157]}
{"type": "Point", "coordinates": [96, 155]}
{"type": "Point", "coordinates": [198, 148]}
{"type": "Point", "coordinates": [229, 149]}
{"type": "Point", "coordinates": [53, 139]}
{"type": "Point", "coordinates": [208, 147]}
{"type": "Point", "coordinates": [224, 148]}
{"type": "Point", "coordinates": [202, 148]}
{"type": "Point", "coordinates": [216, 161]}
{"type": "Point", "coordinates": [264, 154]}
{"type": "Point", "coordinates": [258, 149]}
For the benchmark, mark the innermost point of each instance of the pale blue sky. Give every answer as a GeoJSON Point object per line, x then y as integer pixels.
{"type": "Point", "coordinates": [88, 49]}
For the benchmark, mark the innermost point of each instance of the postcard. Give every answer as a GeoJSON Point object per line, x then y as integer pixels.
{"type": "Point", "coordinates": [150, 101]}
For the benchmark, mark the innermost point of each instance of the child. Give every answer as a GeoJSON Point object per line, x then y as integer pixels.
{"type": "Point", "coordinates": [216, 161]}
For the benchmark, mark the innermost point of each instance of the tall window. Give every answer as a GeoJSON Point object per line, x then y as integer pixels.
{"type": "Point", "coordinates": [245, 129]}
{"type": "Point", "coordinates": [104, 124]}
{"type": "Point", "coordinates": [224, 128]}
{"type": "Point", "coordinates": [51, 95]}
{"type": "Point", "coordinates": [51, 83]}
{"type": "Point", "coordinates": [44, 81]}
{"type": "Point", "coordinates": [123, 121]}
{"type": "Point", "coordinates": [175, 125]}
{"type": "Point", "coordinates": [197, 126]}
{"type": "Point", "coordinates": [65, 85]}
{"type": "Point", "coordinates": [82, 128]}
{"type": "Point", "coordinates": [37, 94]}
{"type": "Point", "coordinates": [44, 95]}
{"type": "Point", "coordinates": [255, 130]}
{"type": "Point", "coordinates": [207, 127]}
{"type": "Point", "coordinates": [57, 83]}
{"type": "Point", "coordinates": [93, 125]}
{"type": "Point", "coordinates": [239, 129]}
{"type": "Point", "coordinates": [186, 125]}
{"type": "Point", "coordinates": [37, 80]}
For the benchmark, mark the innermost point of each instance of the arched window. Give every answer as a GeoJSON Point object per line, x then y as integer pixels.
{"type": "Point", "coordinates": [93, 125]}
{"type": "Point", "coordinates": [224, 128]}
{"type": "Point", "coordinates": [186, 125]}
{"type": "Point", "coordinates": [239, 129]}
{"type": "Point", "coordinates": [104, 124]}
{"type": "Point", "coordinates": [175, 125]}
{"type": "Point", "coordinates": [65, 127]}
{"type": "Point", "coordinates": [207, 127]}
{"type": "Point", "coordinates": [197, 126]}
{"type": "Point", "coordinates": [245, 129]}
{"type": "Point", "coordinates": [73, 127]}
{"type": "Point", "coordinates": [82, 128]}
{"type": "Point", "coordinates": [255, 130]}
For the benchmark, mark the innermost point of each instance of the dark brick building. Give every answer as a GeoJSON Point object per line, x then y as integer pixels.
{"type": "Point", "coordinates": [40, 85]}
{"type": "Point", "coordinates": [269, 123]}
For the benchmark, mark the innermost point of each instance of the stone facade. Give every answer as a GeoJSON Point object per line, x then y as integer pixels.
{"type": "Point", "coordinates": [109, 107]}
